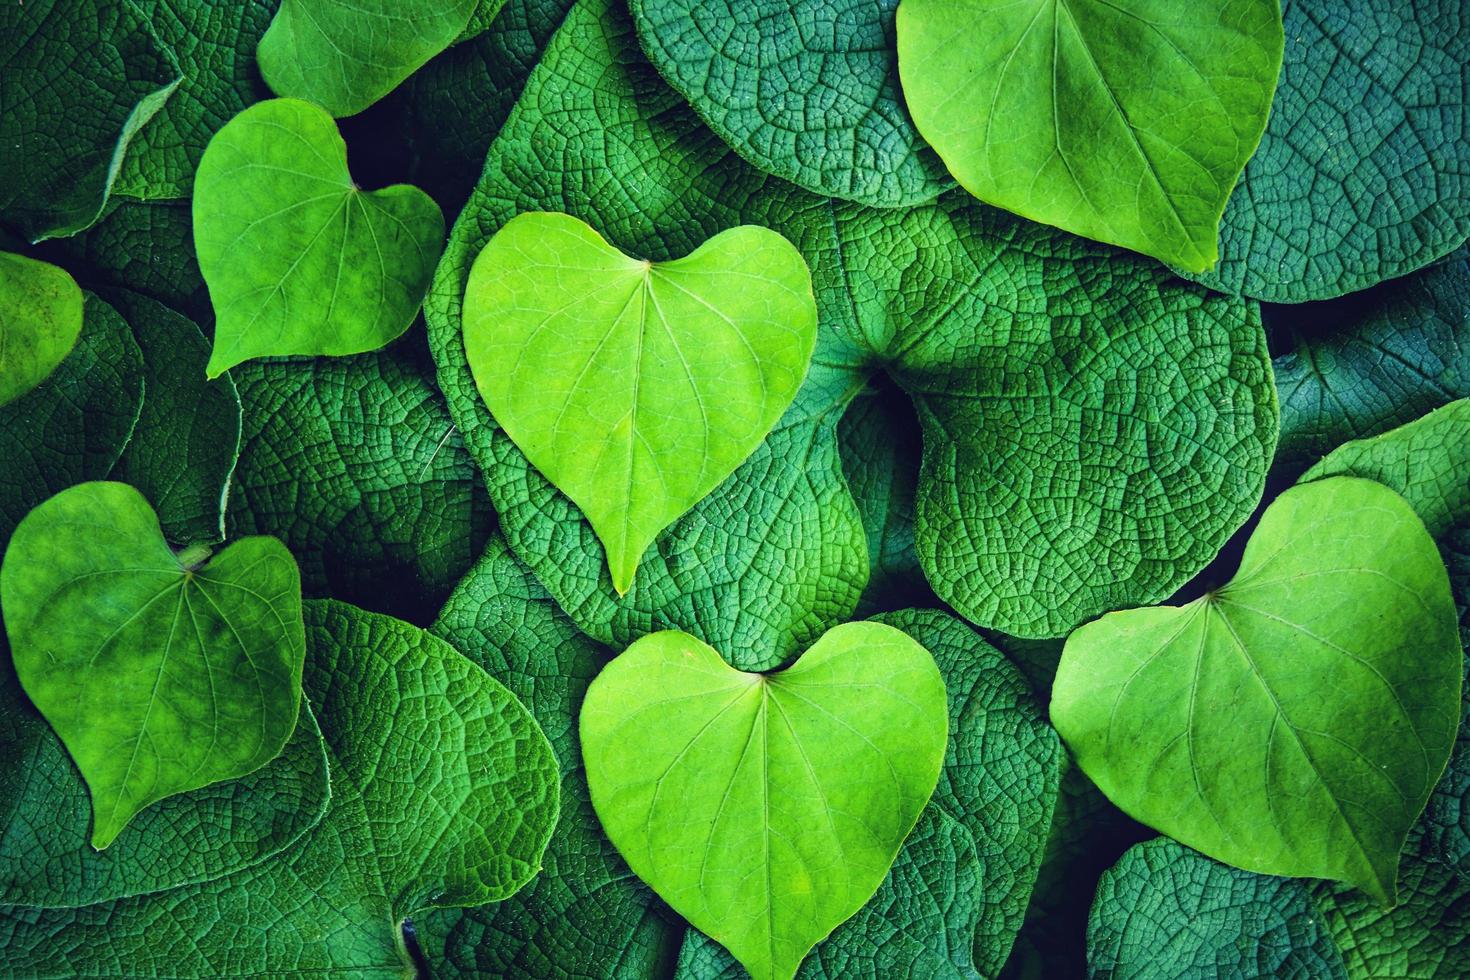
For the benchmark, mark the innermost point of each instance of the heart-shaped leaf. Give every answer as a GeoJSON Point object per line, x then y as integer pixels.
{"type": "Point", "coordinates": [1125, 123]}
{"type": "Point", "coordinates": [766, 809]}
{"type": "Point", "coordinates": [40, 321]}
{"type": "Point", "coordinates": [158, 674]}
{"type": "Point", "coordinates": [299, 260]}
{"type": "Point", "coordinates": [1294, 721]}
{"type": "Point", "coordinates": [636, 387]}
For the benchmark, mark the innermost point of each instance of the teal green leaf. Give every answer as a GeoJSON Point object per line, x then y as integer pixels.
{"type": "Point", "coordinates": [1125, 123]}
{"type": "Point", "coordinates": [1428, 462]}
{"type": "Point", "coordinates": [73, 427]}
{"type": "Point", "coordinates": [766, 809]}
{"type": "Point", "coordinates": [443, 794]}
{"type": "Point", "coordinates": [346, 56]}
{"type": "Point", "coordinates": [879, 441]}
{"type": "Point", "coordinates": [332, 269]}
{"type": "Point", "coordinates": [1363, 174]}
{"type": "Point", "coordinates": [635, 386]}
{"type": "Point", "coordinates": [159, 673]}
{"type": "Point", "coordinates": [214, 44]}
{"type": "Point", "coordinates": [958, 890]}
{"type": "Point", "coordinates": [585, 915]}
{"type": "Point", "coordinates": [40, 320]}
{"type": "Point", "coordinates": [1166, 912]}
{"type": "Point", "coordinates": [1358, 366]}
{"type": "Point", "coordinates": [187, 439]}
{"type": "Point", "coordinates": [1294, 721]}
{"type": "Point", "coordinates": [775, 555]}
{"type": "Point", "coordinates": [47, 861]}
{"type": "Point", "coordinates": [81, 78]}
{"type": "Point", "coordinates": [356, 466]}
{"type": "Point", "coordinates": [807, 91]}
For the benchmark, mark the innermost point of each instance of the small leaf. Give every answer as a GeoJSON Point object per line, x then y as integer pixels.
{"type": "Point", "coordinates": [297, 258]}
{"type": "Point", "coordinates": [1295, 721]}
{"type": "Point", "coordinates": [636, 387]}
{"type": "Point", "coordinates": [159, 676]}
{"type": "Point", "coordinates": [344, 55]}
{"type": "Point", "coordinates": [766, 809]}
{"type": "Point", "coordinates": [40, 320]}
{"type": "Point", "coordinates": [1125, 123]}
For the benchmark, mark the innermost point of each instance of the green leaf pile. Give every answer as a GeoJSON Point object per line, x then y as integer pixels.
{"type": "Point", "coordinates": [703, 490]}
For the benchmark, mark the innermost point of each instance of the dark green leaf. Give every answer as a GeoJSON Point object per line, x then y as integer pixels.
{"type": "Point", "coordinates": [81, 78]}
{"type": "Point", "coordinates": [807, 91]}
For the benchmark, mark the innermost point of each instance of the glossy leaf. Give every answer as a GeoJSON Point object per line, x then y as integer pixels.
{"type": "Point", "coordinates": [443, 794]}
{"type": "Point", "coordinates": [636, 387]}
{"type": "Point", "coordinates": [1295, 720]}
{"type": "Point", "coordinates": [1363, 174]}
{"type": "Point", "coordinates": [159, 673]}
{"type": "Point", "coordinates": [1126, 123]}
{"type": "Point", "coordinates": [184, 448]}
{"type": "Point", "coordinates": [344, 56]}
{"type": "Point", "coordinates": [40, 320]}
{"type": "Point", "coordinates": [807, 91]}
{"type": "Point", "coordinates": [332, 269]}
{"type": "Point", "coordinates": [766, 809]}
{"type": "Point", "coordinates": [81, 78]}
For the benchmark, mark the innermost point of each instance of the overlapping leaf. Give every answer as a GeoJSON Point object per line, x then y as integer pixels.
{"type": "Point", "coordinates": [40, 320]}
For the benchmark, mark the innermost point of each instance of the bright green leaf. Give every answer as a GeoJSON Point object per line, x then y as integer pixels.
{"type": "Point", "coordinates": [355, 465]}
{"type": "Point", "coordinates": [331, 269]}
{"type": "Point", "coordinates": [74, 426]}
{"type": "Point", "coordinates": [1118, 402]}
{"type": "Point", "coordinates": [187, 440]}
{"type": "Point", "coordinates": [214, 44]}
{"type": "Point", "coordinates": [46, 860]}
{"type": "Point", "coordinates": [159, 674]}
{"type": "Point", "coordinates": [766, 809]}
{"type": "Point", "coordinates": [636, 387]}
{"type": "Point", "coordinates": [1125, 123]}
{"type": "Point", "coordinates": [81, 78]}
{"type": "Point", "coordinates": [1294, 721]}
{"type": "Point", "coordinates": [807, 91]}
{"type": "Point", "coordinates": [344, 55]}
{"type": "Point", "coordinates": [1165, 912]}
{"type": "Point", "coordinates": [1363, 174]}
{"type": "Point", "coordinates": [40, 320]}
{"type": "Point", "coordinates": [443, 794]}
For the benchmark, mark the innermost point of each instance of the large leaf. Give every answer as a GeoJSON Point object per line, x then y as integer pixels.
{"type": "Point", "coordinates": [332, 269]}
{"type": "Point", "coordinates": [634, 386]}
{"type": "Point", "coordinates": [956, 894]}
{"type": "Point", "coordinates": [443, 794]}
{"type": "Point", "coordinates": [1124, 122]}
{"type": "Point", "coordinates": [81, 78]}
{"type": "Point", "coordinates": [344, 56]}
{"type": "Point", "coordinates": [40, 320]}
{"type": "Point", "coordinates": [214, 44]}
{"type": "Point", "coordinates": [1428, 462]}
{"type": "Point", "coordinates": [807, 91]}
{"type": "Point", "coordinates": [187, 439]}
{"type": "Point", "coordinates": [160, 673]}
{"type": "Point", "coordinates": [1165, 912]}
{"type": "Point", "coordinates": [1295, 720]}
{"type": "Point", "coordinates": [355, 465]}
{"type": "Point", "coordinates": [1119, 402]}
{"type": "Point", "coordinates": [47, 861]}
{"type": "Point", "coordinates": [1364, 172]}
{"type": "Point", "coordinates": [74, 426]}
{"type": "Point", "coordinates": [1360, 365]}
{"type": "Point", "coordinates": [766, 809]}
